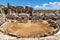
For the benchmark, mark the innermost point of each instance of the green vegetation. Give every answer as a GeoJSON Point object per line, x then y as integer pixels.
{"type": "Point", "coordinates": [5, 8]}
{"type": "Point", "coordinates": [39, 10]}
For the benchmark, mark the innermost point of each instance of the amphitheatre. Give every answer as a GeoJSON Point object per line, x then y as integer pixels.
{"type": "Point", "coordinates": [28, 23]}
{"type": "Point", "coordinates": [23, 27]}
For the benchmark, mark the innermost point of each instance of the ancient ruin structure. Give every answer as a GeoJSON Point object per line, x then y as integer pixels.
{"type": "Point", "coordinates": [1, 8]}
{"type": "Point", "coordinates": [24, 23]}
{"type": "Point", "coordinates": [19, 9]}
{"type": "Point", "coordinates": [2, 14]}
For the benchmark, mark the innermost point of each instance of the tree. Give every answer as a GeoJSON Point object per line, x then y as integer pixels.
{"type": "Point", "coordinates": [5, 9]}
{"type": "Point", "coordinates": [13, 6]}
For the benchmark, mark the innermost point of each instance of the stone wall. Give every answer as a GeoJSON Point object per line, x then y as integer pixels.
{"type": "Point", "coordinates": [2, 18]}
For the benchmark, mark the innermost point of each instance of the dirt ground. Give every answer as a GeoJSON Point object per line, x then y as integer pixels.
{"type": "Point", "coordinates": [28, 29]}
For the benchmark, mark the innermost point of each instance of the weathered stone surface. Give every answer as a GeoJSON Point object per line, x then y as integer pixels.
{"type": "Point", "coordinates": [2, 18]}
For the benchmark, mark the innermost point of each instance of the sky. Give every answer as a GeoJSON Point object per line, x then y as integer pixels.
{"type": "Point", "coordinates": [36, 4]}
